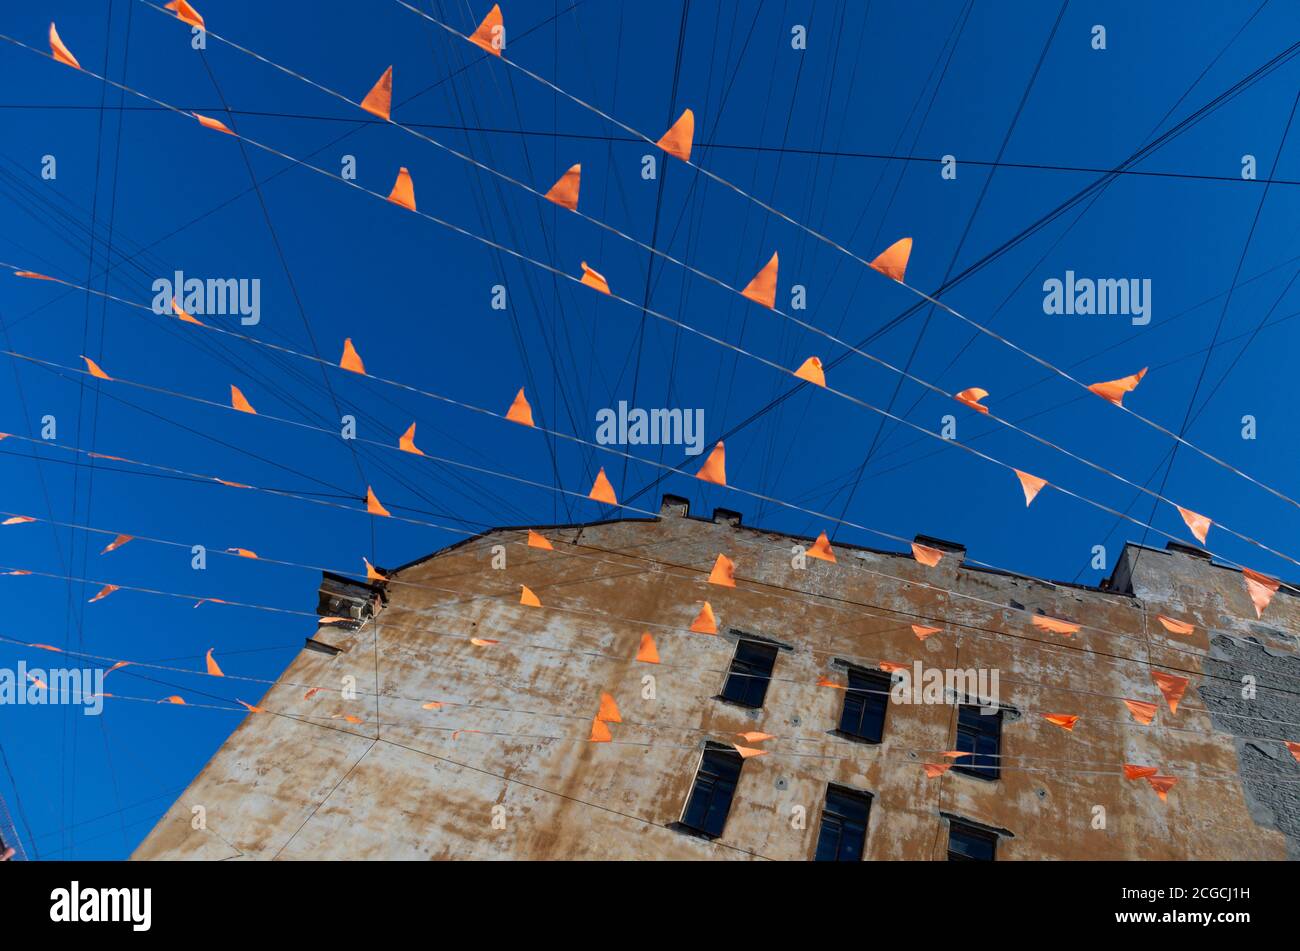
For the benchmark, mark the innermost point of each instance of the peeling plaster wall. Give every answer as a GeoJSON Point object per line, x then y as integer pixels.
{"type": "Point", "coordinates": [405, 783]}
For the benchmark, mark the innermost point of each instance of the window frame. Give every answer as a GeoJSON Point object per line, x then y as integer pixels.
{"type": "Point", "coordinates": [850, 793]}
{"type": "Point", "coordinates": [743, 641]}
{"type": "Point", "coordinates": [974, 831]}
{"type": "Point", "coordinates": [876, 679]}
{"type": "Point", "coordinates": [991, 773]}
{"type": "Point", "coordinates": [722, 750]}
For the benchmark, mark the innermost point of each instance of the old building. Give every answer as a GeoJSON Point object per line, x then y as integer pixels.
{"type": "Point", "coordinates": [369, 767]}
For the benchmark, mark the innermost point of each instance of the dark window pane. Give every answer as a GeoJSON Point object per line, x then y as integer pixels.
{"type": "Point", "coordinates": [981, 734]}
{"type": "Point", "coordinates": [968, 844]}
{"type": "Point", "coordinates": [715, 786]}
{"type": "Point", "coordinates": [843, 835]}
{"type": "Point", "coordinates": [751, 671]}
{"type": "Point", "coordinates": [865, 703]}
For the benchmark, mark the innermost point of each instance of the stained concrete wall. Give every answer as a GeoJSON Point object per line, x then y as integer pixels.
{"type": "Point", "coordinates": [503, 769]}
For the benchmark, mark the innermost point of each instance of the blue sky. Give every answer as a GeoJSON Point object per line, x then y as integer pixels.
{"type": "Point", "coordinates": [810, 132]}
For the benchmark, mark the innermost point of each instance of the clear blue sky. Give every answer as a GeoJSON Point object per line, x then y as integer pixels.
{"type": "Point", "coordinates": [809, 131]}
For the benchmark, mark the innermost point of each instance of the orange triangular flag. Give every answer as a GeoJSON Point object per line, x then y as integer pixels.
{"type": "Point", "coordinates": [890, 668]}
{"type": "Point", "coordinates": [482, 642]}
{"type": "Point", "coordinates": [539, 541]}
{"type": "Point", "coordinates": [957, 754]}
{"type": "Point", "coordinates": [565, 192]}
{"type": "Point", "coordinates": [379, 101]}
{"type": "Point", "coordinates": [1114, 390]}
{"type": "Point", "coordinates": [762, 289]}
{"type": "Point", "coordinates": [594, 279]}
{"type": "Point", "coordinates": [61, 52]}
{"type": "Point", "coordinates": [1142, 711]}
{"type": "Point", "coordinates": [251, 708]}
{"type": "Point", "coordinates": [972, 398]}
{"type": "Point", "coordinates": [116, 543]}
{"type": "Point", "coordinates": [431, 705]}
{"type": "Point", "coordinates": [120, 664]}
{"type": "Point", "coordinates": [242, 552]}
{"type": "Point", "coordinates": [1065, 721]}
{"type": "Point", "coordinates": [93, 369]}
{"type": "Point", "coordinates": [821, 549]}
{"type": "Point", "coordinates": [527, 598]}
{"type": "Point", "coordinates": [216, 125]}
{"type": "Point", "coordinates": [892, 262]}
{"type": "Point", "coordinates": [1139, 772]}
{"type": "Point", "coordinates": [827, 682]}
{"type": "Point", "coordinates": [491, 33]}
{"type": "Point", "coordinates": [173, 699]}
{"type": "Point", "coordinates": [186, 14]}
{"type": "Point", "coordinates": [406, 442]}
{"type": "Point", "coordinates": [176, 309]}
{"type": "Point", "coordinates": [18, 520]}
{"type": "Point", "coordinates": [1261, 589]}
{"type": "Point", "coordinates": [1198, 525]}
{"type": "Point", "coordinates": [926, 555]}
{"type": "Point", "coordinates": [403, 192]}
{"type": "Point", "coordinates": [1171, 686]}
{"type": "Point", "coordinates": [599, 732]}
{"type": "Point", "coordinates": [608, 712]}
{"type": "Point", "coordinates": [520, 412]}
{"type": "Point", "coordinates": [724, 572]}
{"type": "Point", "coordinates": [705, 622]}
{"type": "Point", "coordinates": [1055, 625]}
{"type": "Point", "coordinates": [922, 632]}
{"type": "Point", "coordinates": [811, 370]}
{"type": "Point", "coordinates": [1175, 627]}
{"type": "Point", "coordinates": [373, 573]}
{"type": "Point", "coordinates": [351, 360]}
{"type": "Point", "coordinates": [1031, 484]}
{"type": "Point", "coordinates": [373, 506]}
{"type": "Point", "coordinates": [238, 402]}
{"type": "Point", "coordinates": [104, 592]}
{"type": "Point", "coordinates": [1162, 785]}
{"type": "Point", "coordinates": [715, 467]}
{"type": "Point", "coordinates": [647, 652]}
{"type": "Point", "coordinates": [1294, 749]}
{"type": "Point", "coordinates": [933, 770]}
{"type": "Point", "coordinates": [746, 752]}
{"type": "Point", "coordinates": [601, 490]}
{"type": "Point", "coordinates": [754, 736]}
{"type": "Point", "coordinates": [213, 668]}
{"type": "Point", "coordinates": [677, 140]}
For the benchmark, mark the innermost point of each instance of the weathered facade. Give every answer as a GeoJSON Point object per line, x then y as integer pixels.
{"type": "Point", "coordinates": [504, 769]}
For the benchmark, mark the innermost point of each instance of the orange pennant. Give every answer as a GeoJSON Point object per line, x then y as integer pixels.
{"type": "Point", "coordinates": [1065, 721]}
{"type": "Point", "coordinates": [1142, 711]}
{"type": "Point", "coordinates": [811, 370]}
{"type": "Point", "coordinates": [48, 647]}
{"type": "Point", "coordinates": [104, 592]}
{"type": "Point", "coordinates": [311, 693]}
{"type": "Point", "coordinates": [1261, 589]}
{"type": "Point", "coordinates": [379, 101]}
{"type": "Point", "coordinates": [1171, 686]}
{"type": "Point", "coordinates": [608, 712]}
{"type": "Point", "coordinates": [18, 520]}
{"type": "Point", "coordinates": [373, 573]}
{"type": "Point", "coordinates": [705, 622]}
{"type": "Point", "coordinates": [957, 754]}
{"type": "Point", "coordinates": [482, 642]}
{"type": "Point", "coordinates": [403, 192]}
{"type": "Point", "coordinates": [406, 442]}
{"type": "Point", "coordinates": [373, 506]}
{"type": "Point", "coordinates": [923, 632]}
{"type": "Point", "coordinates": [1031, 484]}
{"type": "Point", "coordinates": [762, 289]}
{"type": "Point", "coordinates": [724, 572]}
{"type": "Point", "coordinates": [61, 52]}
{"type": "Point", "coordinates": [520, 412]}
{"type": "Point", "coordinates": [238, 402]}
{"type": "Point", "coordinates": [527, 598]}
{"type": "Point", "coordinates": [892, 668]}
{"type": "Point", "coordinates": [821, 549]}
{"type": "Point", "coordinates": [1294, 748]}
{"type": "Point", "coordinates": [934, 770]}
{"type": "Point", "coordinates": [491, 33]}
{"type": "Point", "coordinates": [173, 699]}
{"type": "Point", "coordinates": [202, 601]}
{"type": "Point", "coordinates": [754, 736]}
{"type": "Point", "coordinates": [926, 555]}
{"type": "Point", "coordinates": [1198, 525]}
{"type": "Point", "coordinates": [972, 398]}
{"type": "Point", "coordinates": [16, 571]}
{"type": "Point", "coordinates": [647, 652]}
{"type": "Point", "coordinates": [1162, 785]}
{"type": "Point", "coordinates": [93, 369]}
{"type": "Point", "coordinates": [601, 490]}
{"type": "Point", "coordinates": [677, 140]}
{"type": "Point", "coordinates": [565, 192]}
{"type": "Point", "coordinates": [746, 752]}
{"type": "Point", "coordinates": [215, 125]}
{"type": "Point", "coordinates": [1175, 627]}
{"type": "Point", "coordinates": [431, 705]}
{"type": "Point", "coordinates": [213, 669]}
{"type": "Point", "coordinates": [594, 279]}
{"type": "Point", "coordinates": [539, 541]}
{"type": "Point", "coordinates": [1055, 625]}
{"type": "Point", "coordinates": [251, 708]}
{"type": "Point", "coordinates": [186, 14]}
{"type": "Point", "coordinates": [1114, 390]}
{"type": "Point", "coordinates": [1139, 772]}
{"type": "Point", "coordinates": [827, 682]}
{"type": "Point", "coordinates": [599, 732]}
{"type": "Point", "coordinates": [120, 664]}
{"type": "Point", "coordinates": [715, 467]}
{"type": "Point", "coordinates": [351, 360]}
{"type": "Point", "coordinates": [242, 552]}
{"type": "Point", "coordinates": [176, 309]}
{"type": "Point", "coordinates": [892, 262]}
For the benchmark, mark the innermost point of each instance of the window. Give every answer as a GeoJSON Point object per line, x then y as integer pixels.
{"type": "Point", "coordinates": [750, 673]}
{"type": "Point", "coordinates": [715, 787]}
{"type": "Point", "coordinates": [843, 835]}
{"type": "Point", "coordinates": [967, 843]}
{"type": "Point", "coordinates": [865, 701]}
{"type": "Point", "coordinates": [979, 733]}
